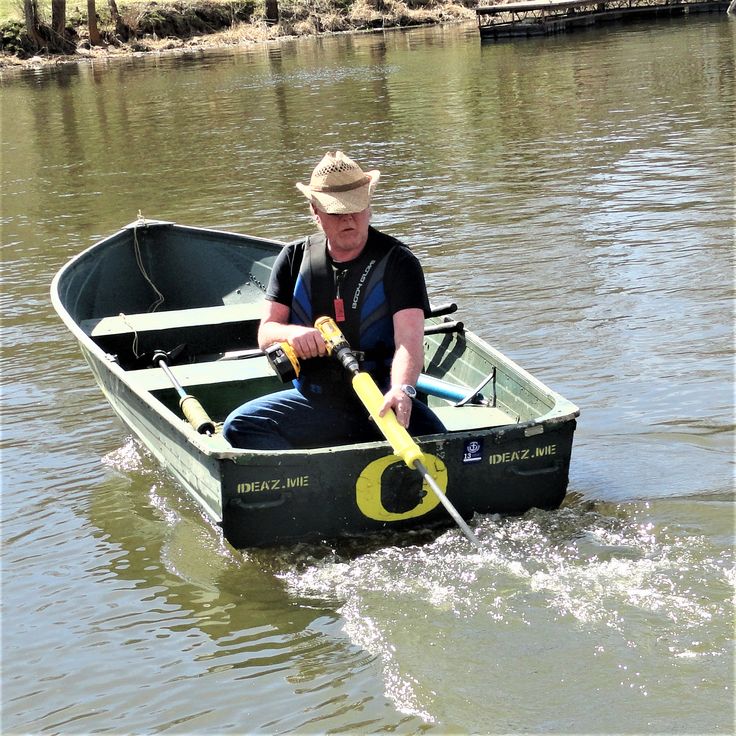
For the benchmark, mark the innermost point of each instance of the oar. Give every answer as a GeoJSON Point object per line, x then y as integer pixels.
{"type": "Point", "coordinates": [450, 391]}
{"type": "Point", "coordinates": [400, 440]}
{"type": "Point", "coordinates": [190, 407]}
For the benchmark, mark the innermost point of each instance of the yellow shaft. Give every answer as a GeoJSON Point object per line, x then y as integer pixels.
{"type": "Point", "coordinates": [399, 439]}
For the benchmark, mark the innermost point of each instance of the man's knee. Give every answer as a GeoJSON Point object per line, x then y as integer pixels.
{"type": "Point", "coordinates": [232, 428]}
{"type": "Point", "coordinates": [261, 424]}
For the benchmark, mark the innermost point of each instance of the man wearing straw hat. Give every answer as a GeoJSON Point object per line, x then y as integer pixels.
{"type": "Point", "coordinates": [374, 288]}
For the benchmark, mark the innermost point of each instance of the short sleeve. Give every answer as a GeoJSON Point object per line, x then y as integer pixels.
{"type": "Point", "coordinates": [284, 274]}
{"type": "Point", "coordinates": [405, 284]}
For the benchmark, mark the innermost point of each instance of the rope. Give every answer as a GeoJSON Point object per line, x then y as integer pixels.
{"type": "Point", "coordinates": [139, 260]}
{"type": "Point", "coordinates": [135, 335]}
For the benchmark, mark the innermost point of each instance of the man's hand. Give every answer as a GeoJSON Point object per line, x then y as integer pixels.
{"type": "Point", "coordinates": [306, 341]}
{"type": "Point", "coordinates": [407, 362]}
{"type": "Point", "coordinates": [397, 400]}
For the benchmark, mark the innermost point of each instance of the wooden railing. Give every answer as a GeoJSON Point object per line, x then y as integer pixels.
{"type": "Point", "coordinates": [540, 18]}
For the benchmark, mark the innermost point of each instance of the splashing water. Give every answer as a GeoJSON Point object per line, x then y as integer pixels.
{"type": "Point", "coordinates": [604, 598]}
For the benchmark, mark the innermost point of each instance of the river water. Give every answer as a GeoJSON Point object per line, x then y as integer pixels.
{"type": "Point", "coordinates": [575, 197]}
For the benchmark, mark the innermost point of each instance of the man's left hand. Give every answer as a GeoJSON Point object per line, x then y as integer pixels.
{"type": "Point", "coordinates": [401, 404]}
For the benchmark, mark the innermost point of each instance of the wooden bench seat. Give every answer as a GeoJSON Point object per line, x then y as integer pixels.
{"type": "Point", "coordinates": [204, 331]}
{"type": "Point", "coordinates": [468, 417]}
{"type": "Point", "coordinates": [199, 374]}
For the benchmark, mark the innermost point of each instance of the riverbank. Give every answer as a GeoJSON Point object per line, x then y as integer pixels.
{"type": "Point", "coordinates": [151, 27]}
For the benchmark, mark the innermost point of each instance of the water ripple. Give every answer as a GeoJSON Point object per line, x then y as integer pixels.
{"type": "Point", "coordinates": [581, 217]}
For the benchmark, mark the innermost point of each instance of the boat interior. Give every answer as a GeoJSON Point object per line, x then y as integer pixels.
{"type": "Point", "coordinates": [139, 300]}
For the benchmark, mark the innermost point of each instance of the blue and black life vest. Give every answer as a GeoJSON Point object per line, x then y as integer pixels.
{"type": "Point", "coordinates": [366, 320]}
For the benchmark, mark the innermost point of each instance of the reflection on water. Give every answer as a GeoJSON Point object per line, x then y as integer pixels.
{"type": "Point", "coordinates": [574, 195]}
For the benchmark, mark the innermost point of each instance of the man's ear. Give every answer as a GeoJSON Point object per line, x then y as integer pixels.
{"type": "Point", "coordinates": [315, 215]}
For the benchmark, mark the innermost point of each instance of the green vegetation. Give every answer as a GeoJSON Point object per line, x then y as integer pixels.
{"type": "Point", "coordinates": [13, 9]}
{"type": "Point", "coordinates": [123, 26]}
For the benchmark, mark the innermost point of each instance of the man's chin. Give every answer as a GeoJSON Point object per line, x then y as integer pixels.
{"type": "Point", "coordinates": [349, 241]}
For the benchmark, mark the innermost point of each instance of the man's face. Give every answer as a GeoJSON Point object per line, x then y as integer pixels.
{"type": "Point", "coordinates": [346, 234]}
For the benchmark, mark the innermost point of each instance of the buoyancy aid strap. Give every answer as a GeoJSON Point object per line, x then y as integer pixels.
{"type": "Point", "coordinates": [323, 289]}
{"type": "Point", "coordinates": [319, 279]}
{"type": "Point", "coordinates": [322, 279]}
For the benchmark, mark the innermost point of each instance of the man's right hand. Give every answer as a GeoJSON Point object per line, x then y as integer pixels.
{"type": "Point", "coordinates": [306, 341]}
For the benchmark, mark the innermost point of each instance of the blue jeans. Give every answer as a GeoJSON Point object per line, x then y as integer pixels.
{"type": "Point", "coordinates": [291, 419]}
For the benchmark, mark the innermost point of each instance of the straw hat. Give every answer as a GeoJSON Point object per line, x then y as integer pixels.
{"type": "Point", "coordinates": [339, 186]}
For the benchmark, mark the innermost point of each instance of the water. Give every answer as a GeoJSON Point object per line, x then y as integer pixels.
{"type": "Point", "coordinates": [575, 196]}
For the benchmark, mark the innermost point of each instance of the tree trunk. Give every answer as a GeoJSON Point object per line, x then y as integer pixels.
{"type": "Point", "coordinates": [58, 23]}
{"type": "Point", "coordinates": [30, 11]}
{"type": "Point", "coordinates": [94, 31]}
{"type": "Point", "coordinates": [121, 28]}
{"type": "Point", "coordinates": [272, 11]}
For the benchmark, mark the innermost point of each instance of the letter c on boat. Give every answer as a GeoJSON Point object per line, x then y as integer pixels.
{"type": "Point", "coordinates": [368, 489]}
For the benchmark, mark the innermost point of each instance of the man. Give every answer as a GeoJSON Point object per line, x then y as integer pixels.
{"type": "Point", "coordinates": [373, 287]}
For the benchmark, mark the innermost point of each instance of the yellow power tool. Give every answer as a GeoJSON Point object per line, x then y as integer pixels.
{"type": "Point", "coordinates": [283, 359]}
{"type": "Point", "coordinates": [364, 385]}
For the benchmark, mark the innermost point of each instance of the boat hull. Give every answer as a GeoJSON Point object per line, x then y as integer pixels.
{"type": "Point", "coordinates": [364, 490]}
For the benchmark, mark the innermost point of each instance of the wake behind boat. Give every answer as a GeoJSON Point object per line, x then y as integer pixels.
{"type": "Point", "coordinates": [167, 318]}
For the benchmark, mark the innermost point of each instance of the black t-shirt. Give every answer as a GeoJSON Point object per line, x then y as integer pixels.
{"type": "Point", "coordinates": [403, 281]}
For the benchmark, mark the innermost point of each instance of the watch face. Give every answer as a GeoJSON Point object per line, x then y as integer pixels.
{"type": "Point", "coordinates": [409, 390]}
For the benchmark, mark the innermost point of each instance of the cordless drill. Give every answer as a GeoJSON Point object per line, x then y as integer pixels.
{"type": "Point", "coordinates": [337, 345]}
{"type": "Point", "coordinates": [283, 359]}
{"type": "Point", "coordinates": [285, 362]}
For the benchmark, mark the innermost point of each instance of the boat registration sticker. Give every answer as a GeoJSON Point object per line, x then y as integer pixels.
{"type": "Point", "coordinates": [473, 451]}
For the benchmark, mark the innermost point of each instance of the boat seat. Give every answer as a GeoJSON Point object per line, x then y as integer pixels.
{"type": "Point", "coordinates": [170, 320]}
{"type": "Point", "coordinates": [472, 416]}
{"type": "Point", "coordinates": [204, 331]}
{"type": "Point", "coordinates": [191, 375]}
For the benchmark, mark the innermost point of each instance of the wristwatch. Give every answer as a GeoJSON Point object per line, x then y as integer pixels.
{"type": "Point", "coordinates": [409, 390]}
